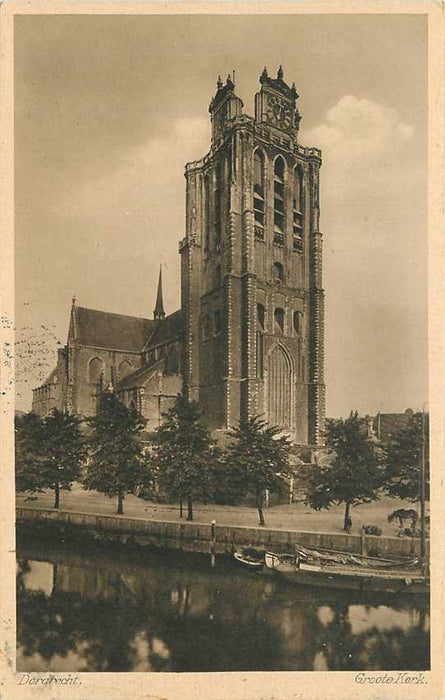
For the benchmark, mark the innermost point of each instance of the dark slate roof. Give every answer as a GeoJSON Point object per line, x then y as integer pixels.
{"type": "Point", "coordinates": [138, 378]}
{"type": "Point", "coordinates": [167, 330]}
{"type": "Point", "coordinates": [103, 329]}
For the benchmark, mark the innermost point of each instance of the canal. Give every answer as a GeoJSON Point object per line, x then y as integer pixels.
{"type": "Point", "coordinates": [149, 611]}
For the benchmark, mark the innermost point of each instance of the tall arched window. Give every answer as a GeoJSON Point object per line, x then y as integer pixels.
{"type": "Point", "coordinates": [278, 200]}
{"type": "Point", "coordinates": [95, 368]}
{"type": "Point", "coordinates": [207, 212]}
{"type": "Point", "coordinates": [218, 205]}
{"type": "Point", "coordinates": [279, 383]}
{"type": "Point", "coordinates": [297, 210]}
{"type": "Point", "coordinates": [125, 367]}
{"type": "Point", "coordinates": [258, 194]}
{"type": "Point", "coordinates": [261, 324]}
{"type": "Point", "coordinates": [279, 320]}
{"type": "Point", "coordinates": [278, 271]}
{"type": "Point", "coordinates": [297, 322]}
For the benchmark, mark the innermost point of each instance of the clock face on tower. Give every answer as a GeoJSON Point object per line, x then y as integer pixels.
{"type": "Point", "coordinates": [279, 113]}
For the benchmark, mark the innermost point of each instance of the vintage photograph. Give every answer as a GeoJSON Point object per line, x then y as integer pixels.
{"type": "Point", "coordinates": [221, 412]}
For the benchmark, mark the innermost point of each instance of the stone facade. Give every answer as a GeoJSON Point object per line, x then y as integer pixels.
{"type": "Point", "coordinates": [249, 337]}
{"type": "Point", "coordinates": [252, 293]}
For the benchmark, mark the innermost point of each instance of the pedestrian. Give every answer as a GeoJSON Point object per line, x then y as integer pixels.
{"type": "Point", "coordinates": [349, 525]}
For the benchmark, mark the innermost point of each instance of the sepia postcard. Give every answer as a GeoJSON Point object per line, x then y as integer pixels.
{"type": "Point", "coordinates": [222, 350]}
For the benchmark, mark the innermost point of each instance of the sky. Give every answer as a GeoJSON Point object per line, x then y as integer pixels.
{"type": "Point", "coordinates": [108, 109]}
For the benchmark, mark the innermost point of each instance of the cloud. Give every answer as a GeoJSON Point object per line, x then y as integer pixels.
{"type": "Point", "coordinates": [364, 127]}
{"type": "Point", "coordinates": [149, 170]}
{"type": "Point", "coordinates": [366, 149]}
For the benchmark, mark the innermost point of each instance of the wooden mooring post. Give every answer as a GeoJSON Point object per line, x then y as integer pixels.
{"type": "Point", "coordinates": [213, 543]}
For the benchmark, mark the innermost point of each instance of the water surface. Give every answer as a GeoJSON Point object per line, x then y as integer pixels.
{"type": "Point", "coordinates": [90, 611]}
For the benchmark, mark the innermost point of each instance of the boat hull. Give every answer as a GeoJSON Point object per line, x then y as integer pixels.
{"type": "Point", "coordinates": [402, 583]}
{"type": "Point", "coordinates": [247, 563]}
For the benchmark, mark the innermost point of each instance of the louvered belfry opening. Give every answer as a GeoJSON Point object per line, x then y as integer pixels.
{"type": "Point", "coordinates": [279, 388]}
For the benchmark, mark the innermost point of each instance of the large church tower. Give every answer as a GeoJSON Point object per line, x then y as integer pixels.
{"type": "Point", "coordinates": [252, 294]}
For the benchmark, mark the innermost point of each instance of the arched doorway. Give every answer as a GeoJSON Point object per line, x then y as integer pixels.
{"type": "Point", "coordinates": [279, 387]}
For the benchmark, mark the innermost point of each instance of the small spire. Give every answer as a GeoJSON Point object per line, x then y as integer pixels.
{"type": "Point", "coordinates": [294, 87]}
{"type": "Point", "coordinates": [159, 313]}
{"type": "Point", "coordinates": [229, 82]}
{"type": "Point", "coordinates": [74, 300]}
{"type": "Point", "coordinates": [264, 73]}
{"type": "Point", "coordinates": [219, 83]}
{"type": "Point", "coordinates": [280, 73]}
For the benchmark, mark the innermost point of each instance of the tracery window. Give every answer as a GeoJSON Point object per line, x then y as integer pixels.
{"type": "Point", "coordinates": [297, 321]}
{"type": "Point", "coordinates": [95, 369]}
{"type": "Point", "coordinates": [258, 194]}
{"type": "Point", "coordinates": [279, 320]}
{"type": "Point", "coordinates": [125, 367]}
{"type": "Point", "coordinates": [278, 194]}
{"type": "Point", "coordinates": [207, 212]}
{"type": "Point", "coordinates": [297, 210]}
{"type": "Point", "coordinates": [218, 205]}
{"type": "Point", "coordinates": [278, 273]}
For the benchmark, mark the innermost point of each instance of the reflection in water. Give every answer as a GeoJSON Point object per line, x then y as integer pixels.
{"type": "Point", "coordinates": [105, 613]}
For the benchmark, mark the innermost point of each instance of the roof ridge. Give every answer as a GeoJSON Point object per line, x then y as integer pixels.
{"type": "Point", "coordinates": [114, 313]}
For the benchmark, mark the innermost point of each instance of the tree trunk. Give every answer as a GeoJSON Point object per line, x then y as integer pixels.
{"type": "Point", "coordinates": [346, 518]}
{"type": "Point", "coordinates": [120, 502]}
{"type": "Point", "coordinates": [189, 508]}
{"type": "Point", "coordinates": [56, 496]}
{"type": "Point", "coordinates": [259, 503]}
{"type": "Point", "coordinates": [180, 505]}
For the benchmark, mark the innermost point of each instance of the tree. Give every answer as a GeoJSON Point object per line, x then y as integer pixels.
{"type": "Point", "coordinates": [49, 452]}
{"type": "Point", "coordinates": [260, 455]}
{"type": "Point", "coordinates": [354, 471]}
{"type": "Point", "coordinates": [28, 452]}
{"type": "Point", "coordinates": [116, 463]}
{"type": "Point", "coordinates": [182, 453]}
{"type": "Point", "coordinates": [404, 458]}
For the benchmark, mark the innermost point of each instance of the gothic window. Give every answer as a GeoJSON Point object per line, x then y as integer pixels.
{"type": "Point", "coordinates": [95, 368]}
{"type": "Point", "coordinates": [218, 203]}
{"type": "Point", "coordinates": [261, 316]}
{"type": "Point", "coordinates": [278, 271]}
{"type": "Point", "coordinates": [207, 212]}
{"type": "Point", "coordinates": [229, 176]}
{"type": "Point", "coordinates": [297, 210]}
{"type": "Point", "coordinates": [278, 209]}
{"type": "Point", "coordinates": [258, 194]}
{"type": "Point", "coordinates": [125, 367]}
{"type": "Point", "coordinates": [297, 318]}
{"type": "Point", "coordinates": [279, 383]}
{"type": "Point", "coordinates": [217, 322]}
{"type": "Point", "coordinates": [279, 320]}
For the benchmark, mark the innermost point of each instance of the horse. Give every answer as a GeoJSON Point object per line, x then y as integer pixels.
{"type": "Point", "coordinates": [402, 514]}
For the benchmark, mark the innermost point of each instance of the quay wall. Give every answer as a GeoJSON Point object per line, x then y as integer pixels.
{"type": "Point", "coordinates": [197, 537]}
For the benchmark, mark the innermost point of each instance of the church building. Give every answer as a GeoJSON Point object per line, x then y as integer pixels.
{"type": "Point", "coordinates": [249, 337]}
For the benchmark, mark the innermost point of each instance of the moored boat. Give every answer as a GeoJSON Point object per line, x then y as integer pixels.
{"type": "Point", "coordinates": [399, 577]}
{"type": "Point", "coordinates": [249, 559]}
